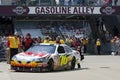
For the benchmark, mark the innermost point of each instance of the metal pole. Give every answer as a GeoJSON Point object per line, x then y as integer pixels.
{"type": "Point", "coordinates": [39, 2]}
{"type": "Point", "coordinates": [0, 2]}
{"type": "Point", "coordinates": [51, 2]}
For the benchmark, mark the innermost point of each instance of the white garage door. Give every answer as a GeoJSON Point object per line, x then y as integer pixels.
{"type": "Point", "coordinates": [33, 32]}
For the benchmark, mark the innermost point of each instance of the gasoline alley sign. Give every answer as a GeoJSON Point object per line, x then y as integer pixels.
{"type": "Point", "coordinates": [64, 10]}
{"type": "Point", "coordinates": [41, 10]}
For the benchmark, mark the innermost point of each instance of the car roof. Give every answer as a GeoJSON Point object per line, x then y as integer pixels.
{"type": "Point", "coordinates": [50, 44]}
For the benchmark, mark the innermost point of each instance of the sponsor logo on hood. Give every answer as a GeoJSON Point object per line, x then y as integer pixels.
{"type": "Point", "coordinates": [33, 54]}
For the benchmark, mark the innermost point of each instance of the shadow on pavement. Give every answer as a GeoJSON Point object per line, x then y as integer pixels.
{"type": "Point", "coordinates": [77, 69]}
{"type": "Point", "coordinates": [105, 67]}
{"type": "Point", "coordinates": [56, 71]}
{"type": "Point", "coordinates": [2, 60]}
{"type": "Point", "coordinates": [85, 68]}
{"type": "Point", "coordinates": [0, 71]}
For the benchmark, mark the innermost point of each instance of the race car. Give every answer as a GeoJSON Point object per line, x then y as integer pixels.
{"type": "Point", "coordinates": [46, 57]}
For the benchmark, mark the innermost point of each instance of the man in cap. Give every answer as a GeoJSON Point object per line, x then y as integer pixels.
{"type": "Point", "coordinates": [47, 39]}
{"type": "Point", "coordinates": [98, 45]}
{"type": "Point", "coordinates": [13, 43]}
{"type": "Point", "coordinates": [28, 41]}
{"type": "Point", "coordinates": [59, 40]}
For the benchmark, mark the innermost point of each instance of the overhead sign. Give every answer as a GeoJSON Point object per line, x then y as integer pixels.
{"type": "Point", "coordinates": [13, 10]}
{"type": "Point", "coordinates": [19, 10]}
{"type": "Point", "coordinates": [108, 10]}
{"type": "Point", "coordinates": [64, 10]}
{"type": "Point", "coordinates": [51, 10]}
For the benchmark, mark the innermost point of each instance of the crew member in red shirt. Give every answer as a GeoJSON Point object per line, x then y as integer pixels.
{"type": "Point", "coordinates": [27, 43]}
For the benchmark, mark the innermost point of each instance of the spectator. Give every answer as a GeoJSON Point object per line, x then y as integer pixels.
{"type": "Point", "coordinates": [62, 2]}
{"type": "Point", "coordinates": [115, 1]}
{"type": "Point", "coordinates": [99, 2]}
{"type": "Point", "coordinates": [38, 39]}
{"type": "Point", "coordinates": [115, 31]}
{"type": "Point", "coordinates": [84, 42]}
{"type": "Point", "coordinates": [47, 39]}
{"type": "Point", "coordinates": [80, 2]}
{"type": "Point", "coordinates": [21, 45]}
{"type": "Point", "coordinates": [59, 40]}
{"type": "Point", "coordinates": [70, 2]}
{"type": "Point", "coordinates": [115, 44]}
{"type": "Point", "coordinates": [98, 45]}
{"type": "Point", "coordinates": [110, 2]}
{"type": "Point", "coordinates": [100, 24]}
{"type": "Point", "coordinates": [27, 43]}
{"type": "Point", "coordinates": [69, 39]}
{"type": "Point", "coordinates": [92, 2]}
{"type": "Point", "coordinates": [13, 43]}
{"type": "Point", "coordinates": [105, 2]}
{"type": "Point", "coordinates": [75, 43]}
{"type": "Point", "coordinates": [81, 52]}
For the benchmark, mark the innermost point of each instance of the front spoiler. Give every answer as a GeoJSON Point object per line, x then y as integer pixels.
{"type": "Point", "coordinates": [29, 69]}
{"type": "Point", "coordinates": [31, 66]}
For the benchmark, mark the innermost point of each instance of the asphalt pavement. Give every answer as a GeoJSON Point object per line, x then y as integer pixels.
{"type": "Point", "coordinates": [93, 68]}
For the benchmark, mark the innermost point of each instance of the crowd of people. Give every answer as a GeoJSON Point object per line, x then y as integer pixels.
{"type": "Point", "coordinates": [3, 48]}
{"type": "Point", "coordinates": [91, 2]}
{"type": "Point", "coordinates": [115, 45]}
{"type": "Point", "coordinates": [67, 2]}
{"type": "Point", "coordinates": [17, 43]}
{"type": "Point", "coordinates": [48, 29]}
{"type": "Point", "coordinates": [68, 30]}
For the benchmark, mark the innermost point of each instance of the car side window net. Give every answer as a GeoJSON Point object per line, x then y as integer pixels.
{"type": "Point", "coordinates": [61, 49]}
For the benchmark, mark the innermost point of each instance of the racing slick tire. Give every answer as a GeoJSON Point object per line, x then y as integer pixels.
{"type": "Point", "coordinates": [50, 65]}
{"type": "Point", "coordinates": [73, 63]}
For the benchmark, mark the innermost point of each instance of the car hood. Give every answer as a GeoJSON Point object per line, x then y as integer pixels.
{"type": "Point", "coordinates": [31, 56]}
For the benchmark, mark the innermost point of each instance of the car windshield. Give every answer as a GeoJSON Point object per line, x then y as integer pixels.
{"type": "Point", "coordinates": [42, 48]}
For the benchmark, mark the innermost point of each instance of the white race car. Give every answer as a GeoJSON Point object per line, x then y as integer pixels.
{"type": "Point", "coordinates": [48, 57]}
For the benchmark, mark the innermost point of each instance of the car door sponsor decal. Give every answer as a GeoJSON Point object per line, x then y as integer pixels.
{"type": "Point", "coordinates": [64, 60]}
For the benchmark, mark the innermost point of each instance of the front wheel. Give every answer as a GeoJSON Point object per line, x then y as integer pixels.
{"type": "Point", "coordinates": [50, 65]}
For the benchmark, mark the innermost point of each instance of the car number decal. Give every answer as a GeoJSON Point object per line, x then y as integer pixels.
{"type": "Point", "coordinates": [64, 60]}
